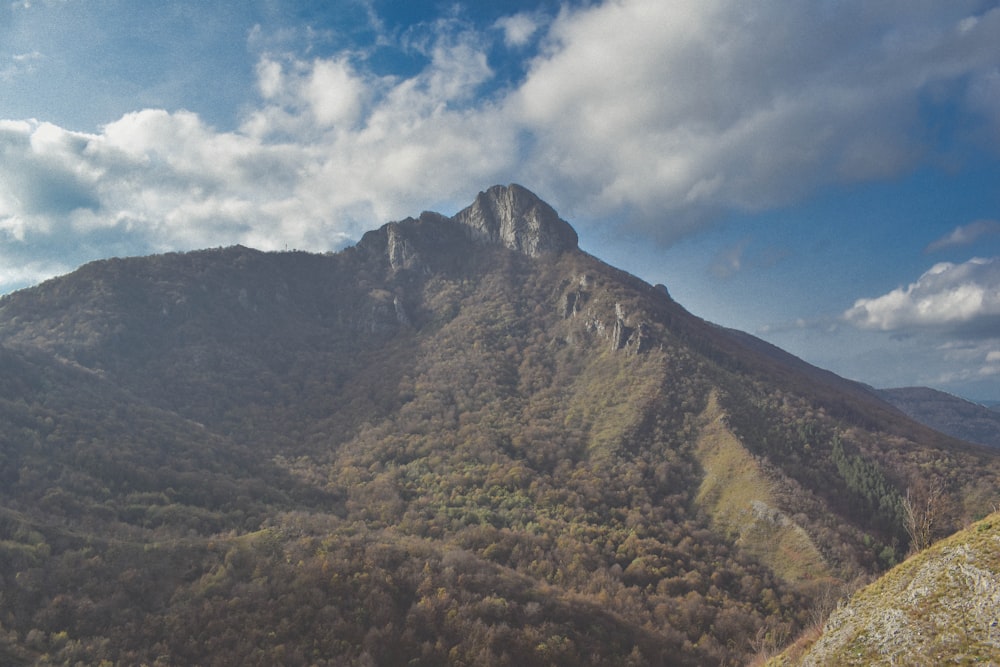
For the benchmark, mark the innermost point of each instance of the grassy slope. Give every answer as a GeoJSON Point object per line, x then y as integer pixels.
{"type": "Point", "coordinates": [740, 498]}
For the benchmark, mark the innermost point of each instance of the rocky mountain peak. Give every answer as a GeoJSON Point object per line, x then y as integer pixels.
{"type": "Point", "coordinates": [507, 215]}
{"type": "Point", "coordinates": [516, 218]}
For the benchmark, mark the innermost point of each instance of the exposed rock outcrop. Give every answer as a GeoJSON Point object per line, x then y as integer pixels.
{"type": "Point", "coordinates": [384, 314]}
{"type": "Point", "coordinates": [516, 218]}
{"type": "Point", "coordinates": [510, 216]}
{"type": "Point", "coordinates": [406, 244]}
{"type": "Point", "coordinates": [633, 339]}
{"type": "Point", "coordinates": [401, 253]}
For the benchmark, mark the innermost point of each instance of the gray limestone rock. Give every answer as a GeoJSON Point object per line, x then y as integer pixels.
{"type": "Point", "coordinates": [515, 217]}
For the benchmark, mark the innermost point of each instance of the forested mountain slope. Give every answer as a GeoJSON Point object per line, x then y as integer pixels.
{"type": "Point", "coordinates": [462, 441]}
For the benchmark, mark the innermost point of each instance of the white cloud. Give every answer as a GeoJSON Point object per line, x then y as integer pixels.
{"type": "Point", "coordinates": [518, 29]}
{"type": "Point", "coordinates": [269, 78]}
{"type": "Point", "coordinates": [335, 94]}
{"type": "Point", "coordinates": [330, 153]}
{"type": "Point", "coordinates": [18, 64]}
{"type": "Point", "coordinates": [955, 296]}
{"type": "Point", "coordinates": [306, 97]}
{"type": "Point", "coordinates": [965, 362]}
{"type": "Point", "coordinates": [675, 109]}
{"type": "Point", "coordinates": [966, 234]}
{"type": "Point", "coordinates": [30, 272]}
{"type": "Point", "coordinates": [41, 178]}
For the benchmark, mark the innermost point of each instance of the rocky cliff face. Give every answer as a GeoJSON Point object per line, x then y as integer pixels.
{"type": "Point", "coordinates": [514, 217]}
{"type": "Point", "coordinates": [507, 216]}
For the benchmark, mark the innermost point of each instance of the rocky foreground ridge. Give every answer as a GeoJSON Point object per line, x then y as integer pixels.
{"type": "Point", "coordinates": [940, 607]}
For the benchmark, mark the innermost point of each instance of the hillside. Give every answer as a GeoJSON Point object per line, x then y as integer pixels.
{"type": "Point", "coordinates": [949, 414]}
{"type": "Point", "coordinates": [462, 441]}
{"type": "Point", "coordinates": [938, 607]}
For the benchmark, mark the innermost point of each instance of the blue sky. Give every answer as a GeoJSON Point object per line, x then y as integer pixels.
{"type": "Point", "coordinates": [824, 175]}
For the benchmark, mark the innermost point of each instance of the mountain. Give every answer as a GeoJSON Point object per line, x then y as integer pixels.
{"type": "Point", "coordinates": [938, 607]}
{"type": "Point", "coordinates": [949, 414]}
{"type": "Point", "coordinates": [461, 441]}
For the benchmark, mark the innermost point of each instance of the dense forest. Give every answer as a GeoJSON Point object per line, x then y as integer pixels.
{"type": "Point", "coordinates": [449, 444]}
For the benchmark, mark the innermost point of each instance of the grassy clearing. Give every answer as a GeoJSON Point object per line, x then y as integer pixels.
{"type": "Point", "coordinates": [737, 494]}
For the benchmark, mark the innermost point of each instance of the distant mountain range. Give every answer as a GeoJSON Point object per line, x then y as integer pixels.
{"type": "Point", "coordinates": [949, 414]}
{"type": "Point", "coordinates": [462, 441]}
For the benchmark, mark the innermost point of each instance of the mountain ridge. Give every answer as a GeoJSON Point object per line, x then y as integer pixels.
{"type": "Point", "coordinates": [947, 413]}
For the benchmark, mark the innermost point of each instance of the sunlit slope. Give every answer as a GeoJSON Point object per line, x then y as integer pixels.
{"type": "Point", "coordinates": [739, 494]}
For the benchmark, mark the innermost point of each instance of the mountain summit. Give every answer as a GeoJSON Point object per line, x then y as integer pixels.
{"type": "Point", "coordinates": [515, 217]}
{"type": "Point", "coordinates": [510, 217]}
{"type": "Point", "coordinates": [461, 441]}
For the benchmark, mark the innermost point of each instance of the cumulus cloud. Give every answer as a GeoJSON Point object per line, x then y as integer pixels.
{"type": "Point", "coordinates": [518, 29]}
{"type": "Point", "coordinates": [676, 109]}
{"type": "Point", "coordinates": [963, 297]}
{"type": "Point", "coordinates": [965, 235]}
{"type": "Point", "coordinates": [665, 114]}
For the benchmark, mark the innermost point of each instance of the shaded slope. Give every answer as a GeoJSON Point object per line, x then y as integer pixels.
{"type": "Point", "coordinates": [853, 401]}
{"type": "Point", "coordinates": [75, 449]}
